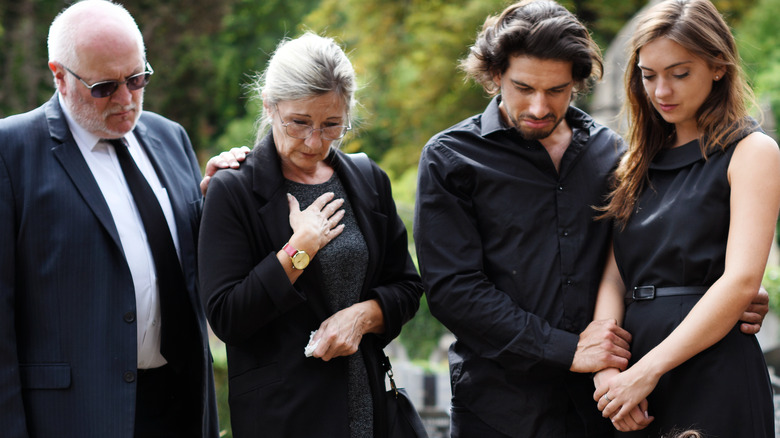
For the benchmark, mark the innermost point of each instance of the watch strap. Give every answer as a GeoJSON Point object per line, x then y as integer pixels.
{"type": "Point", "coordinates": [289, 249]}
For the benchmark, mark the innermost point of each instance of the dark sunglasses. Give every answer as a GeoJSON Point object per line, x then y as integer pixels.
{"type": "Point", "coordinates": [107, 88]}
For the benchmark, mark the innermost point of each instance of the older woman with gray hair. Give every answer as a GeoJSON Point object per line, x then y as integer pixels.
{"type": "Point", "coordinates": [302, 249]}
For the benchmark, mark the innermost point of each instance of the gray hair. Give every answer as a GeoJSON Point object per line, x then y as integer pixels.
{"type": "Point", "coordinates": [64, 30]}
{"type": "Point", "coordinates": [305, 67]}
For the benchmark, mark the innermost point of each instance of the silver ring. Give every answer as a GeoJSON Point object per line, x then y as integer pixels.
{"type": "Point", "coordinates": [608, 399]}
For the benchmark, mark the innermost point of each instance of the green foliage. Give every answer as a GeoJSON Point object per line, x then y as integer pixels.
{"type": "Point", "coordinates": [604, 18]}
{"type": "Point", "coordinates": [404, 191]}
{"type": "Point", "coordinates": [221, 382]}
{"type": "Point", "coordinates": [238, 132]}
{"type": "Point", "coordinates": [420, 336]}
{"type": "Point", "coordinates": [406, 55]}
{"type": "Point", "coordinates": [25, 80]}
{"type": "Point", "coordinates": [203, 53]}
{"type": "Point", "coordinates": [759, 45]}
{"type": "Point", "coordinates": [210, 52]}
{"type": "Point", "coordinates": [733, 11]}
{"type": "Point", "coordinates": [771, 283]}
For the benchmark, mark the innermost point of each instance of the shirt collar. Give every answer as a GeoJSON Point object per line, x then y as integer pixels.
{"type": "Point", "coordinates": [491, 118]}
{"type": "Point", "coordinates": [578, 119]}
{"type": "Point", "coordinates": [581, 125]}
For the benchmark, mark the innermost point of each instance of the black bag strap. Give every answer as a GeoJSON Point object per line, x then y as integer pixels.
{"type": "Point", "coordinates": [388, 367]}
{"type": "Point", "coordinates": [363, 163]}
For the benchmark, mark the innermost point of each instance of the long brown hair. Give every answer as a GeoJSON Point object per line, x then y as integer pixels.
{"type": "Point", "coordinates": [699, 28]}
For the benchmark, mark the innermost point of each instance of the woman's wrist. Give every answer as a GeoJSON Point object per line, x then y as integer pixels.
{"type": "Point", "coordinates": [303, 243]}
{"type": "Point", "coordinates": [371, 317]}
{"type": "Point", "coordinates": [650, 368]}
{"type": "Point", "coordinates": [599, 376]}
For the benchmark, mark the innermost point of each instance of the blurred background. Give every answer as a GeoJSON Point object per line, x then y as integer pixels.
{"type": "Point", "coordinates": [405, 52]}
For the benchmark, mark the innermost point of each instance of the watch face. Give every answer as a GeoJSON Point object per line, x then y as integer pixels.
{"type": "Point", "coordinates": [300, 260]}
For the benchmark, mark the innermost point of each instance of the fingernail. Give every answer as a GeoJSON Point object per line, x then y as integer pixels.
{"type": "Point", "coordinates": [647, 414]}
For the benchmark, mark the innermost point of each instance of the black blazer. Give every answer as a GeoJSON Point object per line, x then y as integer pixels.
{"type": "Point", "coordinates": [265, 321]}
{"type": "Point", "coordinates": [67, 304]}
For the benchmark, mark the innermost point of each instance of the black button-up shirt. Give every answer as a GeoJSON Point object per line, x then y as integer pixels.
{"type": "Point", "coordinates": [511, 258]}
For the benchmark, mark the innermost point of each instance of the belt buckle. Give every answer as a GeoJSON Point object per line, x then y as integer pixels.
{"type": "Point", "coordinates": [642, 293]}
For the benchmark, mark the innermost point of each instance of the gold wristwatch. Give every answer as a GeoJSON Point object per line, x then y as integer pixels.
{"type": "Point", "coordinates": [300, 260]}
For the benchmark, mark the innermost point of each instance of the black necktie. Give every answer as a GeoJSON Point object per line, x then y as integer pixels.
{"type": "Point", "coordinates": [175, 309]}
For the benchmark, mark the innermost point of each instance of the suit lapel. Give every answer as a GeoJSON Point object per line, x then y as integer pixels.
{"type": "Point", "coordinates": [69, 156]}
{"type": "Point", "coordinates": [155, 150]}
{"type": "Point", "coordinates": [177, 195]}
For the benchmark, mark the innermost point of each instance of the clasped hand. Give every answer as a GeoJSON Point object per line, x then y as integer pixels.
{"type": "Point", "coordinates": [340, 335]}
{"type": "Point", "coordinates": [622, 397]}
{"type": "Point", "coordinates": [603, 344]}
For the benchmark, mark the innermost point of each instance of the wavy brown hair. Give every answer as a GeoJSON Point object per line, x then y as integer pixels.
{"type": "Point", "coordinates": [538, 28]}
{"type": "Point", "coordinates": [697, 26]}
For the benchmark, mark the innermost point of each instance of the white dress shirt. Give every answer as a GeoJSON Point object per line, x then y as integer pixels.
{"type": "Point", "coordinates": [102, 161]}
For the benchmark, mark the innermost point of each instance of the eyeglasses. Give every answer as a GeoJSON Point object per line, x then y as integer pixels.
{"type": "Point", "coordinates": [302, 131]}
{"type": "Point", "coordinates": [107, 88]}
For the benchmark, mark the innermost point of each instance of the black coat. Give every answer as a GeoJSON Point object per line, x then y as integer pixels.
{"type": "Point", "coordinates": [266, 321]}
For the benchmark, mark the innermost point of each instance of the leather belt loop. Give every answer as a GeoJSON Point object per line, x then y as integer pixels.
{"type": "Point", "coordinates": [650, 292]}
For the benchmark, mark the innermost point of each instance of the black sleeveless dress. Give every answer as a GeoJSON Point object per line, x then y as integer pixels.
{"type": "Point", "coordinates": [677, 237]}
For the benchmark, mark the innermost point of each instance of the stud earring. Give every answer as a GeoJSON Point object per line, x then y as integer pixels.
{"type": "Point", "coordinates": [717, 77]}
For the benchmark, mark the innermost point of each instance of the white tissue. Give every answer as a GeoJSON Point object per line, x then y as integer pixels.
{"type": "Point", "coordinates": [309, 350]}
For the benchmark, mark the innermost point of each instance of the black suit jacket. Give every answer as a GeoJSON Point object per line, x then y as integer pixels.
{"type": "Point", "coordinates": [67, 303]}
{"type": "Point", "coordinates": [275, 391]}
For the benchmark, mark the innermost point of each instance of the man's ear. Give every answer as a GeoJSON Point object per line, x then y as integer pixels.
{"type": "Point", "coordinates": [59, 75]}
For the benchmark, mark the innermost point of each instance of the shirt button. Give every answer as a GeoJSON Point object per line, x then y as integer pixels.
{"type": "Point", "coordinates": [560, 188]}
{"type": "Point", "coordinates": [568, 282]}
{"type": "Point", "coordinates": [129, 317]}
{"type": "Point", "coordinates": [129, 376]}
{"type": "Point", "coordinates": [565, 234]}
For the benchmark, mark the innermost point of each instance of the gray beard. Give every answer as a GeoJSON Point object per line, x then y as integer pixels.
{"type": "Point", "coordinates": [92, 121]}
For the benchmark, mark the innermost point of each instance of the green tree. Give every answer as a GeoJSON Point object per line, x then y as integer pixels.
{"type": "Point", "coordinates": [406, 54]}
{"type": "Point", "coordinates": [203, 53]}
{"type": "Point", "coordinates": [759, 45]}
{"type": "Point", "coordinates": [25, 81]}
{"type": "Point", "coordinates": [249, 34]}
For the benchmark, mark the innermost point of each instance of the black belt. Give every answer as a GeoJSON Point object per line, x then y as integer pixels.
{"type": "Point", "coordinates": [642, 293]}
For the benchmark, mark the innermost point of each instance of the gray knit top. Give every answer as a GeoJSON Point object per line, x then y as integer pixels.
{"type": "Point", "coordinates": [344, 262]}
